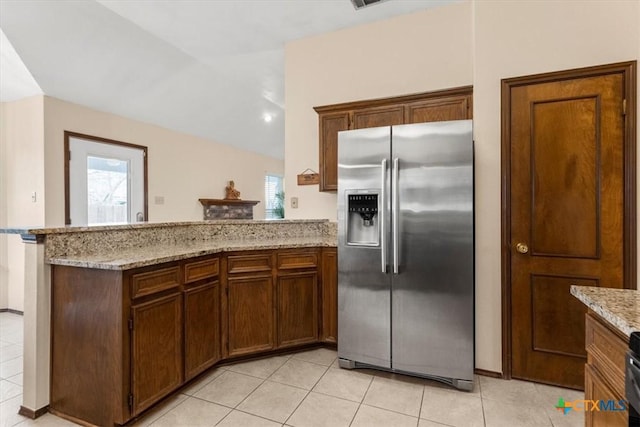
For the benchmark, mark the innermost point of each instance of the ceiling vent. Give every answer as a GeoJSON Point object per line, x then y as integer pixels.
{"type": "Point", "coordinates": [359, 4]}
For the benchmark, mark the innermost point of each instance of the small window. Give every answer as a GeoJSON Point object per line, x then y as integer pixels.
{"type": "Point", "coordinates": [274, 197]}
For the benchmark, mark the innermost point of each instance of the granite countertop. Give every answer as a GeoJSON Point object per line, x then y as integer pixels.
{"type": "Point", "coordinates": [139, 225]}
{"type": "Point", "coordinates": [145, 256]}
{"type": "Point", "coordinates": [620, 307]}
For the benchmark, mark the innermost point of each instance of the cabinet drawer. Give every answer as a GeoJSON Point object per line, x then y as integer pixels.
{"type": "Point", "coordinates": [154, 281]}
{"type": "Point", "coordinates": [248, 263]}
{"type": "Point", "coordinates": [294, 260]}
{"type": "Point", "coordinates": [606, 351]}
{"type": "Point", "coordinates": [194, 271]}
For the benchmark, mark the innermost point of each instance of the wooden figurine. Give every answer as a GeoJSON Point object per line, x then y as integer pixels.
{"type": "Point", "coordinates": [231, 193]}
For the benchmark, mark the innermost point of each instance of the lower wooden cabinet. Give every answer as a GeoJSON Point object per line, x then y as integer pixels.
{"type": "Point", "coordinates": [156, 350]}
{"type": "Point", "coordinates": [596, 388]}
{"type": "Point", "coordinates": [297, 308]}
{"type": "Point", "coordinates": [123, 340]}
{"type": "Point", "coordinates": [604, 372]}
{"type": "Point", "coordinates": [329, 295]}
{"type": "Point", "coordinates": [250, 314]}
{"type": "Point", "coordinates": [201, 328]}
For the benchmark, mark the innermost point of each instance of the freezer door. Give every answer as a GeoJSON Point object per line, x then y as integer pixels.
{"type": "Point", "coordinates": [433, 291]}
{"type": "Point", "coordinates": [364, 290]}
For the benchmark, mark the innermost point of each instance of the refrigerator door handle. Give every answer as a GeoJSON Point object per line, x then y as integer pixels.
{"type": "Point", "coordinates": [383, 206]}
{"type": "Point", "coordinates": [395, 214]}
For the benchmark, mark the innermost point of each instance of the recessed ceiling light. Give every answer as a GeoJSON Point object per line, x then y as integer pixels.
{"type": "Point", "coordinates": [267, 118]}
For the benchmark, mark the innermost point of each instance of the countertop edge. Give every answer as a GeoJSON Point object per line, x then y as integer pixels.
{"type": "Point", "coordinates": [143, 225]}
{"type": "Point", "coordinates": [145, 262]}
{"type": "Point", "coordinates": [614, 319]}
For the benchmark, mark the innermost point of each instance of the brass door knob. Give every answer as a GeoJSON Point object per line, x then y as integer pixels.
{"type": "Point", "coordinates": [522, 248]}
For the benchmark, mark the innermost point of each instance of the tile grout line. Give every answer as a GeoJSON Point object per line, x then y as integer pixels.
{"type": "Point", "coordinates": [421, 402]}
{"type": "Point", "coordinates": [362, 400]}
{"type": "Point", "coordinates": [308, 393]}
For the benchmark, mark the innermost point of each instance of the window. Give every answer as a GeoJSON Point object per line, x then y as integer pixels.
{"type": "Point", "coordinates": [274, 197]}
{"type": "Point", "coordinates": [105, 181]}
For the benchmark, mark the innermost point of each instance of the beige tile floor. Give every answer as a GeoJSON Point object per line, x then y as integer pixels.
{"type": "Point", "coordinates": [308, 389]}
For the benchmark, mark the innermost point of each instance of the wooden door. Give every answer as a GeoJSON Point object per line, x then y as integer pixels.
{"type": "Point", "coordinates": [329, 278]}
{"type": "Point", "coordinates": [297, 308]}
{"type": "Point", "coordinates": [156, 350]}
{"type": "Point", "coordinates": [566, 220]}
{"type": "Point", "coordinates": [201, 328]}
{"type": "Point", "coordinates": [251, 318]}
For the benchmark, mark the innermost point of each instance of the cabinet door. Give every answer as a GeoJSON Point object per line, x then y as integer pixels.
{"type": "Point", "coordinates": [595, 388]}
{"type": "Point", "coordinates": [156, 343]}
{"type": "Point", "coordinates": [201, 328]}
{"type": "Point", "coordinates": [330, 125]}
{"type": "Point", "coordinates": [297, 308]}
{"type": "Point", "coordinates": [439, 109]}
{"type": "Point", "coordinates": [329, 296]}
{"type": "Point", "coordinates": [250, 311]}
{"type": "Point", "coordinates": [378, 116]}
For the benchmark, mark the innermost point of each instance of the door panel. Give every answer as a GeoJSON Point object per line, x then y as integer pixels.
{"type": "Point", "coordinates": [297, 308]}
{"type": "Point", "coordinates": [251, 314]}
{"type": "Point", "coordinates": [364, 290]}
{"type": "Point", "coordinates": [565, 156]}
{"type": "Point", "coordinates": [330, 125]}
{"type": "Point", "coordinates": [433, 297]}
{"type": "Point", "coordinates": [156, 350]}
{"type": "Point", "coordinates": [201, 328]}
{"type": "Point", "coordinates": [567, 182]}
{"type": "Point", "coordinates": [438, 109]}
{"type": "Point", "coordinates": [380, 116]}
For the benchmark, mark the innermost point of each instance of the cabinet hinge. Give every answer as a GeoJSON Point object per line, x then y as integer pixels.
{"type": "Point", "coordinates": [69, 155]}
{"type": "Point", "coordinates": [130, 400]}
{"type": "Point", "coordinates": [131, 324]}
{"type": "Point", "coordinates": [624, 107]}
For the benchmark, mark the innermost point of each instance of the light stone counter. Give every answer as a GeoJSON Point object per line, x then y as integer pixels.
{"type": "Point", "coordinates": [619, 307]}
{"type": "Point", "coordinates": [150, 255]}
{"type": "Point", "coordinates": [136, 245]}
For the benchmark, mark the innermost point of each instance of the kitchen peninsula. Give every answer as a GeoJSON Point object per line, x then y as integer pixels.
{"type": "Point", "coordinates": [613, 314]}
{"type": "Point", "coordinates": [139, 310]}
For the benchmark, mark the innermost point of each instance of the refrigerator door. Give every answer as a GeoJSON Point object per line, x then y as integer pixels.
{"type": "Point", "coordinates": [433, 290]}
{"type": "Point", "coordinates": [364, 290]}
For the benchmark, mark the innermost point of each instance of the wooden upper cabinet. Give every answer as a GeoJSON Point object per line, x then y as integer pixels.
{"type": "Point", "coordinates": [378, 116]}
{"type": "Point", "coordinates": [438, 109]}
{"type": "Point", "coordinates": [449, 104]}
{"type": "Point", "coordinates": [330, 125]}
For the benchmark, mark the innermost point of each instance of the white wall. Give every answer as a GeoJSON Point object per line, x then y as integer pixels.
{"type": "Point", "coordinates": [182, 168]}
{"type": "Point", "coordinates": [403, 55]}
{"type": "Point", "coordinates": [521, 38]}
{"type": "Point", "coordinates": [22, 163]}
{"type": "Point", "coordinates": [476, 43]}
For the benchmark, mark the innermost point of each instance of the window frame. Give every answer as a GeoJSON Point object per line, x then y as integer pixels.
{"type": "Point", "coordinates": [67, 195]}
{"type": "Point", "coordinates": [268, 211]}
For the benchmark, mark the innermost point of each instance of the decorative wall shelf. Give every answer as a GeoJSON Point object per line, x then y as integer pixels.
{"type": "Point", "coordinates": [228, 208]}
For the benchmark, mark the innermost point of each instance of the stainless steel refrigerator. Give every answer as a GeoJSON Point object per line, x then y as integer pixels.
{"type": "Point", "coordinates": [406, 250]}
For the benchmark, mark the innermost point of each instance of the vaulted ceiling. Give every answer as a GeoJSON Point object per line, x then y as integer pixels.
{"type": "Point", "coordinates": [210, 68]}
